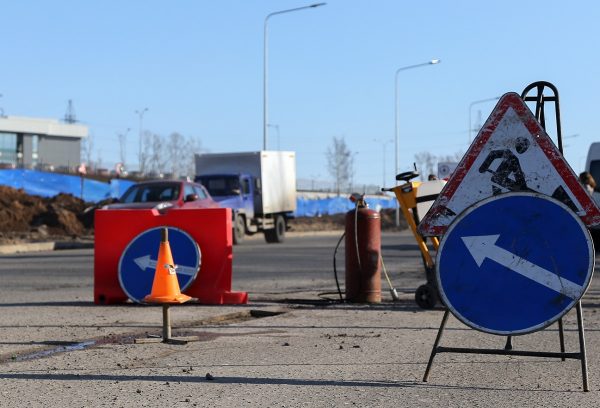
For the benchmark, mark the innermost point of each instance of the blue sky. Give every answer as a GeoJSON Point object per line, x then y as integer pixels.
{"type": "Point", "coordinates": [197, 66]}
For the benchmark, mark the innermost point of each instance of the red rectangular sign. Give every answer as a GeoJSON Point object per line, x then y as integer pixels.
{"type": "Point", "coordinates": [210, 228]}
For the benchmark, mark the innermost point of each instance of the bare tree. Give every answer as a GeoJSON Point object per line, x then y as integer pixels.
{"type": "Point", "coordinates": [87, 148]}
{"type": "Point", "coordinates": [339, 163]}
{"type": "Point", "coordinates": [174, 146]}
{"type": "Point", "coordinates": [173, 154]}
{"type": "Point", "coordinates": [193, 146]}
{"type": "Point", "coordinates": [99, 159]}
{"type": "Point", "coordinates": [123, 147]}
{"type": "Point", "coordinates": [157, 157]}
{"type": "Point", "coordinates": [427, 162]}
{"type": "Point", "coordinates": [456, 157]}
{"type": "Point", "coordinates": [145, 152]}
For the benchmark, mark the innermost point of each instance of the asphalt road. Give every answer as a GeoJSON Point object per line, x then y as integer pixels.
{"type": "Point", "coordinates": [288, 347]}
{"type": "Point", "coordinates": [304, 263]}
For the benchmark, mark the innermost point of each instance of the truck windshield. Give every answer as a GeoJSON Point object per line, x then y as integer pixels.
{"type": "Point", "coordinates": [222, 185]}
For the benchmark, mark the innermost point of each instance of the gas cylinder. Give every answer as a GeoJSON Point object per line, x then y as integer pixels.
{"type": "Point", "coordinates": [363, 272]}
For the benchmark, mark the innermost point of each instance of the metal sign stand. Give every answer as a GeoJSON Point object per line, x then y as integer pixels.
{"type": "Point", "coordinates": [166, 332]}
{"type": "Point", "coordinates": [539, 99]}
{"type": "Point", "coordinates": [581, 355]}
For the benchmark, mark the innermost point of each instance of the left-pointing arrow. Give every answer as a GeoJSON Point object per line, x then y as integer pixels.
{"type": "Point", "coordinates": [484, 246]}
{"type": "Point", "coordinates": [145, 262]}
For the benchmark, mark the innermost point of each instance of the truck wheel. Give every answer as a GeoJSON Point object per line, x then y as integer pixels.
{"type": "Point", "coordinates": [276, 234]}
{"type": "Point", "coordinates": [239, 230]}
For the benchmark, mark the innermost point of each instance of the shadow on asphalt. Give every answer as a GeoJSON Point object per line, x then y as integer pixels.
{"type": "Point", "coordinates": [267, 381]}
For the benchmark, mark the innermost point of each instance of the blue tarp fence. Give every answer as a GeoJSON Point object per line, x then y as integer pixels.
{"type": "Point", "coordinates": [46, 184]}
{"type": "Point", "coordinates": [316, 207]}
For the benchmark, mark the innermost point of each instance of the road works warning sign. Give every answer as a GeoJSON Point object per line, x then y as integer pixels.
{"type": "Point", "coordinates": [512, 152]}
{"type": "Point", "coordinates": [514, 263]}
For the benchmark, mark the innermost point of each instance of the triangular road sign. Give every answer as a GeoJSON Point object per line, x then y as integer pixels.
{"type": "Point", "coordinates": [512, 152]}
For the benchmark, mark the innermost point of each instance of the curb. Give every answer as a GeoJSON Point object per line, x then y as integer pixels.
{"type": "Point", "coordinates": [43, 246]}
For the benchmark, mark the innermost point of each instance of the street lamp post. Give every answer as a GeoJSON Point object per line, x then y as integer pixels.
{"type": "Point", "coordinates": [277, 129]}
{"type": "Point", "coordinates": [140, 113]}
{"type": "Point", "coordinates": [396, 146]}
{"type": "Point", "coordinates": [265, 68]}
{"type": "Point", "coordinates": [470, 128]}
{"type": "Point", "coordinates": [123, 146]}
{"type": "Point", "coordinates": [384, 143]}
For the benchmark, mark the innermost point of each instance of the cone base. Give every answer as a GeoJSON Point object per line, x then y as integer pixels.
{"type": "Point", "coordinates": [177, 299]}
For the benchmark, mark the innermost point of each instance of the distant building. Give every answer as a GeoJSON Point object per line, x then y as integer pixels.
{"type": "Point", "coordinates": [34, 143]}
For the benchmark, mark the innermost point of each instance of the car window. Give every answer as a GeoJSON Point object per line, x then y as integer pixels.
{"type": "Point", "coordinates": [201, 193]}
{"type": "Point", "coordinates": [187, 190]}
{"type": "Point", "coordinates": [150, 193]}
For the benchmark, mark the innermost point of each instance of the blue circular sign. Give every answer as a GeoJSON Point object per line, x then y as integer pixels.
{"type": "Point", "coordinates": [138, 262]}
{"type": "Point", "coordinates": [514, 263]}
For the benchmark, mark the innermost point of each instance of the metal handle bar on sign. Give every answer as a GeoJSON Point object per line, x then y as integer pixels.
{"type": "Point", "coordinates": [539, 100]}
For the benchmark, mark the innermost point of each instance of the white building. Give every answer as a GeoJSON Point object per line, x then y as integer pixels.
{"type": "Point", "coordinates": [40, 143]}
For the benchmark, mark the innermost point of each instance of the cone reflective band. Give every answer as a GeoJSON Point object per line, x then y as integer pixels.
{"type": "Point", "coordinates": [165, 287]}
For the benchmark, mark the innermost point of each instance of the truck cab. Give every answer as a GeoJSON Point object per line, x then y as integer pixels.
{"type": "Point", "coordinates": [260, 188]}
{"type": "Point", "coordinates": [235, 191]}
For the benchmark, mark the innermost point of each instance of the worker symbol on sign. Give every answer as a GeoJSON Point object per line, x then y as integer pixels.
{"type": "Point", "coordinates": [508, 175]}
{"type": "Point", "coordinates": [512, 153]}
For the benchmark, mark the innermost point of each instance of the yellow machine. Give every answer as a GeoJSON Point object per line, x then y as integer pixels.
{"type": "Point", "coordinates": [409, 199]}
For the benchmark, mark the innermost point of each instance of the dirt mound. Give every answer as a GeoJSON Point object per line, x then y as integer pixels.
{"type": "Point", "coordinates": [24, 216]}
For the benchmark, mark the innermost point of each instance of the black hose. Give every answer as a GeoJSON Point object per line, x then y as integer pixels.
{"type": "Point", "coordinates": [335, 268]}
{"type": "Point", "coordinates": [357, 254]}
{"type": "Point", "coordinates": [356, 237]}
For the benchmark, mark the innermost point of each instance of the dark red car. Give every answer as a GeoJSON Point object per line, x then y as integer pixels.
{"type": "Point", "coordinates": [164, 195]}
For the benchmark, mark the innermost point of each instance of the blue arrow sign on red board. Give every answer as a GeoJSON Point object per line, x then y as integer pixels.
{"type": "Point", "coordinates": [514, 263]}
{"type": "Point", "coordinates": [138, 261]}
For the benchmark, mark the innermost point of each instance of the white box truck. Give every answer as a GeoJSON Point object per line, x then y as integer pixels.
{"type": "Point", "coordinates": [592, 166]}
{"type": "Point", "coordinates": [259, 187]}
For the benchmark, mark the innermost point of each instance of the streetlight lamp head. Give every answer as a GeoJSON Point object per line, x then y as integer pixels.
{"type": "Point", "coordinates": [317, 5]}
{"type": "Point", "coordinates": [435, 61]}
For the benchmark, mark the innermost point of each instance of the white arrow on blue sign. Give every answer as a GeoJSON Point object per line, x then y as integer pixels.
{"type": "Point", "coordinates": [514, 263]}
{"type": "Point", "coordinates": [484, 247]}
{"type": "Point", "coordinates": [138, 261]}
{"type": "Point", "coordinates": [146, 262]}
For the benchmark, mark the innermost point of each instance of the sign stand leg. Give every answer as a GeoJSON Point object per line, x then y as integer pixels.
{"type": "Point", "coordinates": [561, 336]}
{"type": "Point", "coordinates": [166, 330]}
{"type": "Point", "coordinates": [508, 351]}
{"type": "Point", "coordinates": [583, 358]}
{"type": "Point", "coordinates": [435, 345]}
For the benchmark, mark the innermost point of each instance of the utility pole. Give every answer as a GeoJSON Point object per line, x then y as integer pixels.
{"type": "Point", "coordinates": [70, 114]}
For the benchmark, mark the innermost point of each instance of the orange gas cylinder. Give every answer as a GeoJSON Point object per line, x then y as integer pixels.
{"type": "Point", "coordinates": [363, 272]}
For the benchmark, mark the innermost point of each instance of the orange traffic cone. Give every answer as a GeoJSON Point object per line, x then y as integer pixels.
{"type": "Point", "coordinates": [165, 287]}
